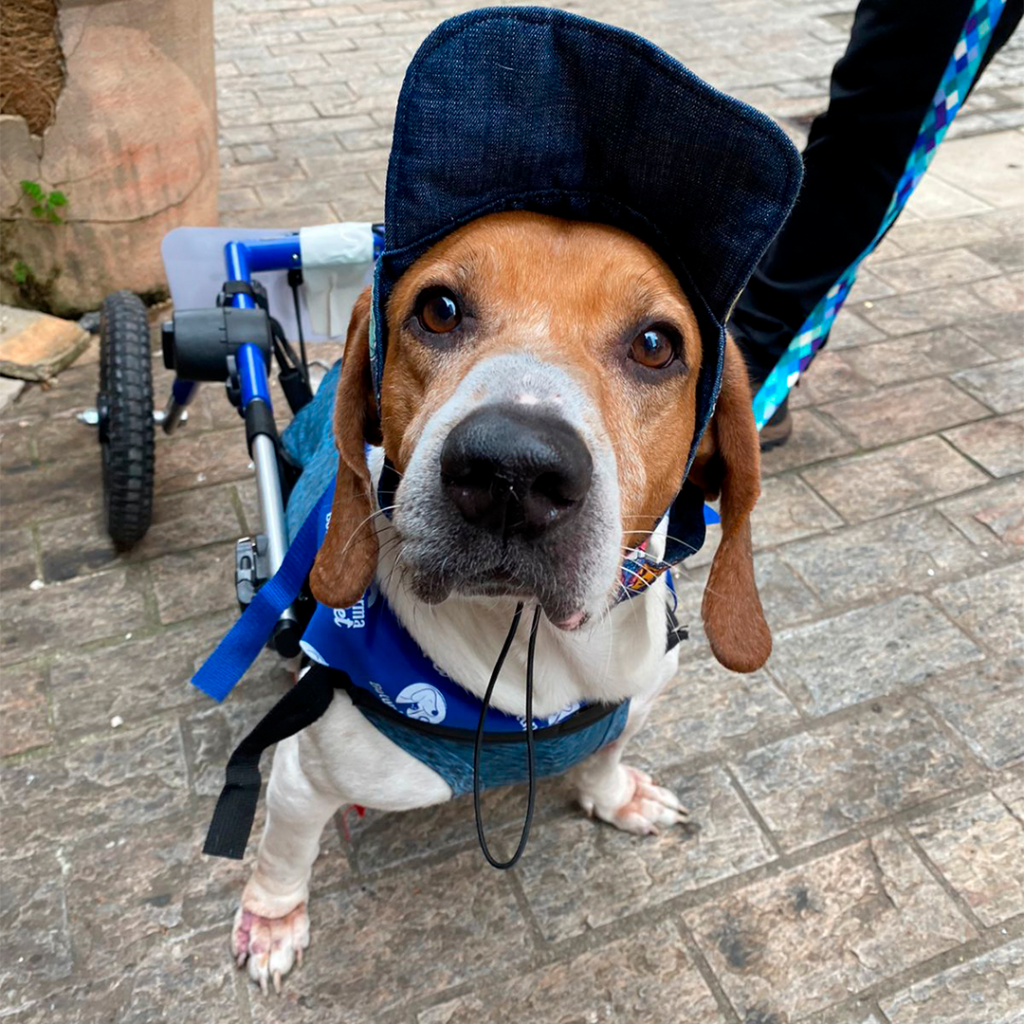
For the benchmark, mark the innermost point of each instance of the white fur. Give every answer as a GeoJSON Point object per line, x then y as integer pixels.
{"type": "Point", "coordinates": [342, 759]}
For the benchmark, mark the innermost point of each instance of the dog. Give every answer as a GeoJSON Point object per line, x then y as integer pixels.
{"type": "Point", "coordinates": [538, 404]}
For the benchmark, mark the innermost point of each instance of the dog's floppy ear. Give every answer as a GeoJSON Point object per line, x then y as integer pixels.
{"type": "Point", "coordinates": [347, 559]}
{"type": "Point", "coordinates": [728, 462]}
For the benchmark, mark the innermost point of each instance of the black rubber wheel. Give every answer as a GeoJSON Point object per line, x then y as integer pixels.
{"type": "Point", "coordinates": [125, 406]}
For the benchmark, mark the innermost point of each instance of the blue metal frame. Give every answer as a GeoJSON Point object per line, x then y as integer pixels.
{"type": "Point", "coordinates": [242, 260]}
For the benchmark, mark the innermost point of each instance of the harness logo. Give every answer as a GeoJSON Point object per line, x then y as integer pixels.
{"type": "Point", "coordinates": [351, 618]}
{"type": "Point", "coordinates": [549, 720]}
{"type": "Point", "coordinates": [423, 702]}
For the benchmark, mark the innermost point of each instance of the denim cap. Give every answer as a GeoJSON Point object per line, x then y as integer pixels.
{"type": "Point", "coordinates": [526, 108]}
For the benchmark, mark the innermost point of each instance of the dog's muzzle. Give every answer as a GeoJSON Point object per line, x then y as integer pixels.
{"type": "Point", "coordinates": [515, 471]}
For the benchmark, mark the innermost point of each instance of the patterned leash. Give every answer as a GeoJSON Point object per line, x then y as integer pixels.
{"type": "Point", "coordinates": [956, 81]}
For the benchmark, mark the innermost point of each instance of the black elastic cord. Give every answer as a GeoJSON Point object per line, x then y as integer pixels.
{"type": "Point", "coordinates": [293, 280]}
{"type": "Point", "coordinates": [478, 744]}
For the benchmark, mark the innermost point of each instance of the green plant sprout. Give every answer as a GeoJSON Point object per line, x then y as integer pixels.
{"type": "Point", "coordinates": [46, 203]}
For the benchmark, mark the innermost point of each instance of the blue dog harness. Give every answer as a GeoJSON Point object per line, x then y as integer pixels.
{"type": "Point", "coordinates": [365, 650]}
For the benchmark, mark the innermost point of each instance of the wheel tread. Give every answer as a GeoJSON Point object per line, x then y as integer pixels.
{"type": "Point", "coordinates": [126, 380]}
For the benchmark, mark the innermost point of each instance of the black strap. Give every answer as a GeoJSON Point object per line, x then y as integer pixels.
{"type": "Point", "coordinates": [676, 633]}
{"type": "Point", "coordinates": [386, 487]}
{"type": "Point", "coordinates": [251, 288]}
{"type": "Point", "coordinates": [232, 819]}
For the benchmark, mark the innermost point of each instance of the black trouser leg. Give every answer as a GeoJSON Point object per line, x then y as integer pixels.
{"type": "Point", "coordinates": [881, 90]}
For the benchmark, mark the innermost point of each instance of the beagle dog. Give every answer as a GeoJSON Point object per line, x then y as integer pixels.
{"type": "Point", "coordinates": [538, 404]}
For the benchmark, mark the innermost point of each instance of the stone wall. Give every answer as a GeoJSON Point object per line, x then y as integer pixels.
{"type": "Point", "coordinates": [133, 147]}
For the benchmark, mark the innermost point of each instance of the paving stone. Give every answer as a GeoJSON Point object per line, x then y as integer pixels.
{"type": "Point", "coordinates": [1002, 335]}
{"type": "Point", "coordinates": [704, 709]}
{"type": "Point", "coordinates": [77, 546]}
{"type": "Point", "coordinates": [832, 377]}
{"type": "Point", "coordinates": [212, 731]}
{"type": "Point", "coordinates": [462, 905]}
{"type": "Point", "coordinates": [33, 909]}
{"type": "Point", "coordinates": [996, 444]}
{"type": "Point", "coordinates": [649, 975]}
{"type": "Point", "coordinates": [192, 583]}
{"type": "Point", "coordinates": [1005, 253]}
{"type": "Point", "coordinates": [917, 356]}
{"type": "Point", "coordinates": [62, 437]}
{"type": "Point", "coordinates": [1005, 293]}
{"type": "Point", "coordinates": [76, 612]}
{"type": "Point", "coordinates": [822, 783]}
{"type": "Point", "coordinates": [18, 559]}
{"type": "Point", "coordinates": [571, 859]}
{"type": "Point", "coordinates": [982, 704]}
{"type": "Point", "coordinates": [17, 452]}
{"type": "Point", "coordinates": [24, 710]}
{"type": "Point", "coordinates": [993, 517]}
{"type": "Point", "coordinates": [788, 509]}
{"type": "Point", "coordinates": [184, 520]}
{"type": "Point", "coordinates": [862, 487]}
{"type": "Point", "coordinates": [136, 679]}
{"type": "Point", "coordinates": [119, 784]}
{"type": "Point", "coordinates": [813, 440]}
{"type": "Point", "coordinates": [989, 167]}
{"type": "Point", "coordinates": [990, 607]}
{"type": "Point", "coordinates": [927, 310]}
{"type": "Point", "coordinates": [931, 236]}
{"type": "Point", "coordinates": [935, 199]}
{"type": "Point", "coordinates": [986, 990]}
{"type": "Point", "coordinates": [913, 273]}
{"type": "Point", "coordinates": [851, 331]}
{"type": "Point", "coordinates": [793, 944]}
{"type": "Point", "coordinates": [908, 551]}
{"type": "Point", "coordinates": [999, 385]}
{"type": "Point", "coordinates": [10, 389]}
{"type": "Point", "coordinates": [52, 491]}
{"type": "Point", "coordinates": [867, 653]}
{"type": "Point", "coordinates": [174, 982]}
{"type": "Point", "coordinates": [978, 845]}
{"type": "Point", "coordinates": [902, 412]}
{"type": "Point", "coordinates": [869, 286]}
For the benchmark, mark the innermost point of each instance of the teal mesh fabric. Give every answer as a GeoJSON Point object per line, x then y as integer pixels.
{"type": "Point", "coordinates": [309, 441]}
{"type": "Point", "coordinates": [501, 764]}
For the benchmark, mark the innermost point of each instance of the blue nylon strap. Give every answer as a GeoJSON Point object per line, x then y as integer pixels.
{"type": "Point", "coordinates": [240, 648]}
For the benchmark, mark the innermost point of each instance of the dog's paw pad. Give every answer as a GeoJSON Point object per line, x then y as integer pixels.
{"type": "Point", "coordinates": [270, 945]}
{"type": "Point", "coordinates": [647, 810]}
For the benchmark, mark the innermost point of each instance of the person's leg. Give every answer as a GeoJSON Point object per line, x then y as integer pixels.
{"type": "Point", "coordinates": [857, 150]}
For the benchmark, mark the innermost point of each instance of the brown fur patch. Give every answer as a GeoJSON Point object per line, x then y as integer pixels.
{"type": "Point", "coordinates": [729, 463]}
{"type": "Point", "coordinates": [346, 562]}
{"type": "Point", "coordinates": [569, 293]}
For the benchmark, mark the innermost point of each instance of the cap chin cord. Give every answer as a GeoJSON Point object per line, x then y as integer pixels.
{"type": "Point", "coordinates": [478, 744]}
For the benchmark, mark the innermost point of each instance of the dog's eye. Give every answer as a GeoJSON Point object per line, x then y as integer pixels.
{"type": "Point", "coordinates": [437, 311]}
{"type": "Point", "coordinates": [653, 348]}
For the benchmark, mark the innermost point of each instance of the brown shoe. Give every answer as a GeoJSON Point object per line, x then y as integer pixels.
{"type": "Point", "coordinates": [777, 430]}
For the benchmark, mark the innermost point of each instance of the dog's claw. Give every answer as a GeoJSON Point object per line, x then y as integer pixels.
{"type": "Point", "coordinates": [270, 945]}
{"type": "Point", "coordinates": [648, 810]}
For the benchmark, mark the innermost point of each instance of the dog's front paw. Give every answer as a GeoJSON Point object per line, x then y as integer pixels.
{"type": "Point", "coordinates": [635, 804]}
{"type": "Point", "coordinates": [270, 945]}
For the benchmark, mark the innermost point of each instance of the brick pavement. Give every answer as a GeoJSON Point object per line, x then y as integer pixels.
{"type": "Point", "coordinates": [858, 856]}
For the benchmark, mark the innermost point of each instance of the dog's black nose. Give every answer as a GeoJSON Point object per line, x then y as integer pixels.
{"type": "Point", "coordinates": [512, 470]}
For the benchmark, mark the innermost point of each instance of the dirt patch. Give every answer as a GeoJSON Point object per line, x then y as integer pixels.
{"type": "Point", "coordinates": [31, 61]}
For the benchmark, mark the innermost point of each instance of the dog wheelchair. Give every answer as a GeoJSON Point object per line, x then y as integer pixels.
{"type": "Point", "coordinates": [238, 294]}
